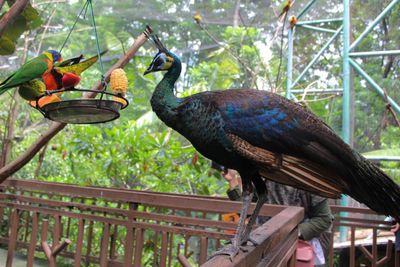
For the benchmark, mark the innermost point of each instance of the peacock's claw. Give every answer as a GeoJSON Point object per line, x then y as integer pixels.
{"type": "Point", "coordinates": [229, 250]}
{"type": "Point", "coordinates": [253, 241]}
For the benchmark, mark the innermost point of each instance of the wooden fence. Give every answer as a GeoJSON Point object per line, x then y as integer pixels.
{"type": "Point", "coordinates": [82, 226]}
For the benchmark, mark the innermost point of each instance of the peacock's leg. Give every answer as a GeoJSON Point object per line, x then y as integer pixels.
{"type": "Point", "coordinates": [246, 234]}
{"type": "Point", "coordinates": [233, 248]}
{"type": "Point", "coordinates": [261, 189]}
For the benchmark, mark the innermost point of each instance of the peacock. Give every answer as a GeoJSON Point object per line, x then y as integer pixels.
{"type": "Point", "coordinates": [263, 135]}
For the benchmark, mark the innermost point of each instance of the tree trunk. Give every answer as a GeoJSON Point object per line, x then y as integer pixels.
{"type": "Point", "coordinates": [56, 127]}
{"type": "Point", "coordinates": [9, 133]}
{"type": "Point", "coordinates": [42, 153]}
{"type": "Point", "coordinates": [12, 116]}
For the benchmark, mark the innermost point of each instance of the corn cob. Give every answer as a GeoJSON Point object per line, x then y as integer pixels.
{"type": "Point", "coordinates": [119, 85]}
{"type": "Point", "coordinates": [119, 82]}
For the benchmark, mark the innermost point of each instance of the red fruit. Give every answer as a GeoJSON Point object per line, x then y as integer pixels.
{"type": "Point", "coordinates": [195, 158]}
{"type": "Point", "coordinates": [70, 80]}
{"type": "Point", "coordinates": [64, 154]}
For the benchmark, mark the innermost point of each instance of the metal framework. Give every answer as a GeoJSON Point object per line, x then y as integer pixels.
{"type": "Point", "coordinates": [348, 57]}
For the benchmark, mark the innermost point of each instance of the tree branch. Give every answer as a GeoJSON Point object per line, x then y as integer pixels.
{"type": "Point", "coordinates": [1, 4]}
{"type": "Point", "coordinates": [56, 127]}
{"type": "Point", "coordinates": [12, 14]}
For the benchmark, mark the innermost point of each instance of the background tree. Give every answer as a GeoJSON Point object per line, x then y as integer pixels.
{"type": "Point", "coordinates": [237, 49]}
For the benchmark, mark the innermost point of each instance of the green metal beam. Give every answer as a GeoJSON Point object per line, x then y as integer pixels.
{"type": "Point", "coordinates": [317, 91]}
{"type": "Point", "coordinates": [373, 24]}
{"type": "Point", "coordinates": [289, 64]}
{"type": "Point", "coordinates": [305, 9]}
{"type": "Point", "coordinates": [375, 53]}
{"type": "Point", "coordinates": [314, 28]}
{"type": "Point", "coordinates": [383, 158]}
{"type": "Point", "coordinates": [346, 103]}
{"type": "Point", "coordinates": [317, 56]}
{"type": "Point", "coordinates": [374, 85]}
{"type": "Point", "coordinates": [319, 21]}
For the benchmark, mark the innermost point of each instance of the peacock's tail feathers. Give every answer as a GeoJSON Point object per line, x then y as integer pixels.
{"type": "Point", "coordinates": [289, 170]}
{"type": "Point", "coordinates": [364, 181]}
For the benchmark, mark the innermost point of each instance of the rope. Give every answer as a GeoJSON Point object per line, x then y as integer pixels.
{"type": "Point", "coordinates": [84, 8]}
{"type": "Point", "coordinates": [103, 81]}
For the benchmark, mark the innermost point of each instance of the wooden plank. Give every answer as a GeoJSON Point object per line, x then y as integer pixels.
{"type": "Point", "coordinates": [13, 237]}
{"type": "Point", "coordinates": [33, 241]}
{"type": "Point", "coordinates": [138, 247]}
{"type": "Point", "coordinates": [104, 245]}
{"type": "Point", "coordinates": [145, 215]}
{"type": "Point", "coordinates": [331, 240]}
{"type": "Point", "coordinates": [203, 249]}
{"type": "Point", "coordinates": [1, 215]}
{"type": "Point", "coordinates": [267, 236]}
{"type": "Point", "coordinates": [128, 247]}
{"type": "Point", "coordinates": [283, 254]}
{"type": "Point", "coordinates": [79, 243]}
{"type": "Point", "coordinates": [164, 249]}
{"type": "Point", "coordinates": [187, 202]}
{"type": "Point", "coordinates": [170, 248]}
{"type": "Point", "coordinates": [89, 242]}
{"type": "Point", "coordinates": [57, 231]}
{"type": "Point", "coordinates": [154, 227]}
{"type": "Point", "coordinates": [352, 247]}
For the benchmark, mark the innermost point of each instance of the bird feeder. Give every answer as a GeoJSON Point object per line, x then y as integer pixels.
{"type": "Point", "coordinates": [85, 110]}
{"type": "Point", "coordinates": [103, 108]}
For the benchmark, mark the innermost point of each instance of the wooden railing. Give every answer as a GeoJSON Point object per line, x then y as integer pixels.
{"type": "Point", "coordinates": [115, 227]}
{"type": "Point", "coordinates": [366, 232]}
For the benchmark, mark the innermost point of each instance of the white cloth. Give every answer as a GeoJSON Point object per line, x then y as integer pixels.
{"type": "Point", "coordinates": [319, 257]}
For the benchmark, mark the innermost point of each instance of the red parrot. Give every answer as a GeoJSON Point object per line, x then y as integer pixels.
{"type": "Point", "coordinates": [67, 75]}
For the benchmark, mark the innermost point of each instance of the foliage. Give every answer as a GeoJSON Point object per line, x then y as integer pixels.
{"type": "Point", "coordinates": [137, 151]}
{"type": "Point", "coordinates": [29, 19]}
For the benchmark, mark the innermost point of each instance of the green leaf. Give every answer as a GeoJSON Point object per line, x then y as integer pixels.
{"type": "Point", "coordinates": [7, 46]}
{"type": "Point", "coordinates": [30, 13]}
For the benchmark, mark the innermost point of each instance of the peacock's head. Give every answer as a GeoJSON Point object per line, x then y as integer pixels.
{"type": "Point", "coordinates": [161, 61]}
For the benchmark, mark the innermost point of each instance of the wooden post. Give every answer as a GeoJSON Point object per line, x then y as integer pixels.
{"type": "Point", "coordinates": [12, 239]}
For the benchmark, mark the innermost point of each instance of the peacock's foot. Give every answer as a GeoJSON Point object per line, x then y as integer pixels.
{"type": "Point", "coordinates": [252, 241]}
{"type": "Point", "coordinates": [244, 245]}
{"type": "Point", "coordinates": [229, 250]}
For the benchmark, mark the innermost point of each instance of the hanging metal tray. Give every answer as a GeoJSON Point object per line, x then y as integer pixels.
{"type": "Point", "coordinates": [83, 111]}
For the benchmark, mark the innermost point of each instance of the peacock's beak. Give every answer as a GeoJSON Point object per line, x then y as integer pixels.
{"type": "Point", "coordinates": [149, 69]}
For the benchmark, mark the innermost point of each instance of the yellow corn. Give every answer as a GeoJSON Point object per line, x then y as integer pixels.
{"type": "Point", "coordinates": [119, 81]}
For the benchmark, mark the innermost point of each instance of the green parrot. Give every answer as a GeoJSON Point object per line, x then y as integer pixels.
{"type": "Point", "coordinates": [33, 69]}
{"type": "Point", "coordinates": [32, 90]}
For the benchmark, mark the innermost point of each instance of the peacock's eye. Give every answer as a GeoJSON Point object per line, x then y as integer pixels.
{"type": "Point", "coordinates": [159, 61]}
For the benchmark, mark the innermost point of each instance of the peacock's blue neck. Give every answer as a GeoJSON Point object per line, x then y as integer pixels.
{"type": "Point", "coordinates": [164, 100]}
